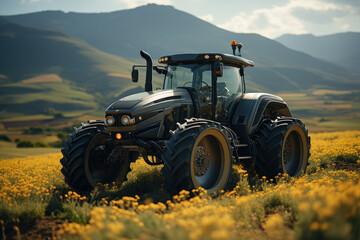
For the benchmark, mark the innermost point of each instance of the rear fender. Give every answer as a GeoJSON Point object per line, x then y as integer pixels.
{"type": "Point", "coordinates": [254, 106]}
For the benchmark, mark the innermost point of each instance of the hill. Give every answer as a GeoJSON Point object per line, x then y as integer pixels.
{"type": "Point", "coordinates": [164, 30]}
{"type": "Point", "coordinates": [340, 48]}
{"type": "Point", "coordinates": [43, 68]}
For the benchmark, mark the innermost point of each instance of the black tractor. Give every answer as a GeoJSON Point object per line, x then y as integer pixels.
{"type": "Point", "coordinates": [198, 125]}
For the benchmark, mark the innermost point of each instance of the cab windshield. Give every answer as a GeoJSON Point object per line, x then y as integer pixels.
{"type": "Point", "coordinates": [199, 77]}
{"type": "Point", "coordinates": [189, 75]}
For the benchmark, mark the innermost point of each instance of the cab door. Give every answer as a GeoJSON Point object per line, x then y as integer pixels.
{"type": "Point", "coordinates": [229, 89]}
{"type": "Point", "coordinates": [202, 83]}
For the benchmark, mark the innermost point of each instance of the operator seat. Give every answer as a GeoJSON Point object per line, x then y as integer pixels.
{"type": "Point", "coordinates": [222, 90]}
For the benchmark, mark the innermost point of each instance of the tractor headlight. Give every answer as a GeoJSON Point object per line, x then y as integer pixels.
{"type": "Point", "coordinates": [109, 120]}
{"type": "Point", "coordinates": [125, 120]}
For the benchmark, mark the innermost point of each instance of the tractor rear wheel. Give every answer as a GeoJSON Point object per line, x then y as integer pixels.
{"type": "Point", "coordinates": [198, 154]}
{"type": "Point", "coordinates": [282, 146]}
{"type": "Point", "coordinates": [90, 158]}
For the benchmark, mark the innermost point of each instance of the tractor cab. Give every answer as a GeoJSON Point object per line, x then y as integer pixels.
{"type": "Point", "coordinates": [215, 81]}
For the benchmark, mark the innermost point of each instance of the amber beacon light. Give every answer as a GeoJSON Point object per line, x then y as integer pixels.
{"type": "Point", "coordinates": [233, 46]}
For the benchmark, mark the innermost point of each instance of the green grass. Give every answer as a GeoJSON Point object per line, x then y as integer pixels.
{"type": "Point", "coordinates": [51, 92]}
{"type": "Point", "coordinates": [24, 213]}
{"type": "Point", "coordinates": [20, 102]}
{"type": "Point", "coordinates": [330, 111]}
{"type": "Point", "coordinates": [25, 117]}
{"type": "Point", "coordinates": [315, 124]}
{"type": "Point", "coordinates": [7, 152]}
{"type": "Point", "coordinates": [43, 142]}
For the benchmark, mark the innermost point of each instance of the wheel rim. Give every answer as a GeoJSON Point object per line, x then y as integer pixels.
{"type": "Point", "coordinates": [209, 160]}
{"type": "Point", "coordinates": [103, 160]}
{"type": "Point", "coordinates": [293, 153]}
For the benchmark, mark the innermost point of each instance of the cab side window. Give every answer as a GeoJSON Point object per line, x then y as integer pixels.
{"type": "Point", "coordinates": [229, 89]}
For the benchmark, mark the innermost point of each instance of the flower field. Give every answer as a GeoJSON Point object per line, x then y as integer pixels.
{"type": "Point", "coordinates": [323, 204]}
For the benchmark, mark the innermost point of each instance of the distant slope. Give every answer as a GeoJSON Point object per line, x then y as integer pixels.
{"type": "Point", "coordinates": [162, 30]}
{"type": "Point", "coordinates": [351, 61]}
{"type": "Point", "coordinates": [43, 68]}
{"type": "Point", "coordinates": [17, 99]}
{"type": "Point", "coordinates": [341, 48]}
{"type": "Point", "coordinates": [28, 52]}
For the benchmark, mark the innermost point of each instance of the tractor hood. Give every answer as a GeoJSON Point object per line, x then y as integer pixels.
{"type": "Point", "coordinates": [149, 99]}
{"type": "Point", "coordinates": [148, 114]}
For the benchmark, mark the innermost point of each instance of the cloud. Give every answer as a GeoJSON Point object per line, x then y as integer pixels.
{"type": "Point", "coordinates": [207, 18]}
{"type": "Point", "coordinates": [353, 3]}
{"type": "Point", "coordinates": [34, 1]}
{"type": "Point", "coordinates": [136, 3]}
{"type": "Point", "coordinates": [288, 18]}
{"type": "Point", "coordinates": [345, 27]}
{"type": "Point", "coordinates": [318, 17]}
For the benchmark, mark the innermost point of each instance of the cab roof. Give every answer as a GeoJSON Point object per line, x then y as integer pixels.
{"type": "Point", "coordinates": [227, 59]}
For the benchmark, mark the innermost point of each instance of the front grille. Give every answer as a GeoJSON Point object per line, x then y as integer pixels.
{"type": "Point", "coordinates": [118, 119]}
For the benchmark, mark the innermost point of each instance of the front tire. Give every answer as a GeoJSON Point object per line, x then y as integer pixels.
{"type": "Point", "coordinates": [282, 146]}
{"type": "Point", "coordinates": [90, 158]}
{"type": "Point", "coordinates": [198, 154]}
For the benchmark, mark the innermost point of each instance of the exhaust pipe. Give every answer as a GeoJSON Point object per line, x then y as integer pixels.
{"type": "Point", "coordinates": [149, 66]}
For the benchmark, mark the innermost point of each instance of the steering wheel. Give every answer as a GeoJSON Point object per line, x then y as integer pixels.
{"type": "Point", "coordinates": [207, 85]}
{"type": "Point", "coordinates": [204, 92]}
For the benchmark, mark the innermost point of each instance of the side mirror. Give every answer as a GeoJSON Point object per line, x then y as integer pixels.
{"type": "Point", "coordinates": [219, 69]}
{"type": "Point", "coordinates": [135, 75]}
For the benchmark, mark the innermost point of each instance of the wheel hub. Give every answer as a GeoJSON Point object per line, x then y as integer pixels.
{"type": "Point", "coordinates": [99, 158]}
{"type": "Point", "coordinates": [201, 163]}
{"type": "Point", "coordinates": [287, 152]}
{"type": "Point", "coordinates": [105, 162]}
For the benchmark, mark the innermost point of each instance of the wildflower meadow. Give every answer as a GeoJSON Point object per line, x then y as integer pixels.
{"type": "Point", "coordinates": [322, 204]}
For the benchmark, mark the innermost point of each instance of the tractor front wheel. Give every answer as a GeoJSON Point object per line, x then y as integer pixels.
{"type": "Point", "coordinates": [198, 154]}
{"type": "Point", "coordinates": [90, 158]}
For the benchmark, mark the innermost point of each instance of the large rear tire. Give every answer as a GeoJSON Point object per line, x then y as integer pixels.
{"type": "Point", "coordinates": [90, 158]}
{"type": "Point", "coordinates": [198, 154]}
{"type": "Point", "coordinates": [282, 146]}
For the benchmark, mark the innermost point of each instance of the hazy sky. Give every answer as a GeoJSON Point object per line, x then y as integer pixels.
{"type": "Point", "coordinates": [270, 18]}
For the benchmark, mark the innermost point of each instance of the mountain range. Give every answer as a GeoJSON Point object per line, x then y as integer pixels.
{"type": "Point", "coordinates": [340, 48]}
{"type": "Point", "coordinates": [92, 54]}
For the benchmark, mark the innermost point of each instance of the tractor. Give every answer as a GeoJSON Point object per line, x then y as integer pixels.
{"type": "Point", "coordinates": [197, 126]}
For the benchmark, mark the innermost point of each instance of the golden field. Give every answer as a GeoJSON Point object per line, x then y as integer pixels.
{"type": "Point", "coordinates": [323, 204]}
